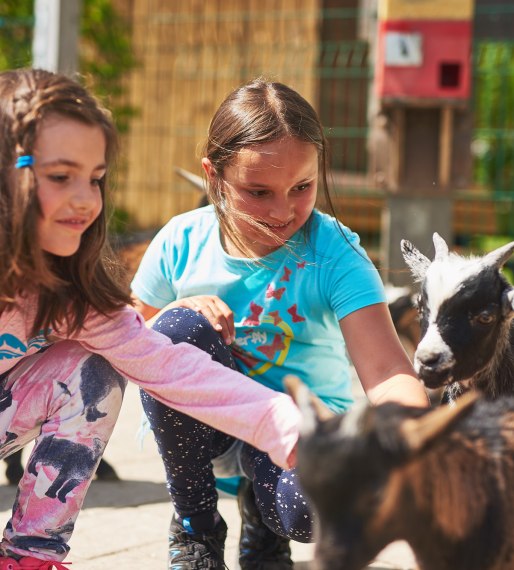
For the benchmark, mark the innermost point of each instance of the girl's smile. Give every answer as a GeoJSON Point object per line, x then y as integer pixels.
{"type": "Point", "coordinates": [275, 184]}
{"type": "Point", "coordinates": [69, 165]}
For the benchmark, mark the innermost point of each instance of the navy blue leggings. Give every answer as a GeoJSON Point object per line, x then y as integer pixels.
{"type": "Point", "coordinates": [187, 447]}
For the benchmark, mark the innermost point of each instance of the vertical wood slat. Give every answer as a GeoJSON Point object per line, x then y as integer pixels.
{"type": "Point", "coordinates": [191, 55]}
{"type": "Point", "coordinates": [445, 146]}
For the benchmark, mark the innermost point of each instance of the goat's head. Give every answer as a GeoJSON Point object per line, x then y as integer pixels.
{"type": "Point", "coordinates": [346, 465]}
{"type": "Point", "coordinates": [465, 307]}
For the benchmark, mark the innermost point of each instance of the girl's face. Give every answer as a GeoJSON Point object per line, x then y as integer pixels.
{"type": "Point", "coordinates": [275, 183]}
{"type": "Point", "coordinates": [69, 164]}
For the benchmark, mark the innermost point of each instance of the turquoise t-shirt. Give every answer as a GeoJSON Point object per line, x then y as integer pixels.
{"type": "Point", "coordinates": [286, 306]}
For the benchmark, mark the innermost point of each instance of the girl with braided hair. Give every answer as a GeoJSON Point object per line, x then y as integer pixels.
{"type": "Point", "coordinates": [69, 340]}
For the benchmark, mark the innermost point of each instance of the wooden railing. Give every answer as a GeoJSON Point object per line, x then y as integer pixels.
{"type": "Point", "coordinates": [472, 213]}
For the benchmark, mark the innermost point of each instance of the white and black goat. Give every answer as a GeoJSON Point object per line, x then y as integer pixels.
{"type": "Point", "coordinates": [441, 479]}
{"type": "Point", "coordinates": [466, 307]}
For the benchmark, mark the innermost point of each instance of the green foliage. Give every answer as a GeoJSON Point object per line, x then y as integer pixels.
{"type": "Point", "coordinates": [494, 115]}
{"type": "Point", "coordinates": [119, 221]}
{"type": "Point", "coordinates": [482, 244]}
{"type": "Point", "coordinates": [106, 39]}
{"type": "Point", "coordinates": [16, 21]}
{"type": "Point", "coordinates": [105, 58]}
{"type": "Point", "coordinates": [105, 48]}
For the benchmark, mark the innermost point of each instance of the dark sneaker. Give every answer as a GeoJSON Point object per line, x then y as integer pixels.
{"type": "Point", "coordinates": [194, 550]}
{"type": "Point", "coordinates": [259, 547]}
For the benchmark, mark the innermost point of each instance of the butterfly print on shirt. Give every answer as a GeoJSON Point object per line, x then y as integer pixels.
{"type": "Point", "coordinates": [275, 293]}
{"type": "Point", "coordinates": [253, 319]}
{"type": "Point", "coordinates": [293, 311]}
{"type": "Point", "coordinates": [271, 349]}
{"type": "Point", "coordinates": [276, 317]}
{"type": "Point", "coordinates": [287, 273]}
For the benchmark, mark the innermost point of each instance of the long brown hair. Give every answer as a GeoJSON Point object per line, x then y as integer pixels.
{"type": "Point", "coordinates": [259, 112]}
{"type": "Point", "coordinates": [67, 287]}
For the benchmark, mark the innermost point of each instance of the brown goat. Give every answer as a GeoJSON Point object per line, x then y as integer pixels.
{"type": "Point", "coordinates": [442, 480]}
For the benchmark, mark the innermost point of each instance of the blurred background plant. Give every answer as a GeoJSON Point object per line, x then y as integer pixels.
{"type": "Point", "coordinates": [105, 59]}
{"type": "Point", "coordinates": [16, 21]}
{"type": "Point", "coordinates": [106, 54]}
{"type": "Point", "coordinates": [493, 147]}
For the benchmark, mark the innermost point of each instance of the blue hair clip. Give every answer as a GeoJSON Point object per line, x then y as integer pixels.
{"type": "Point", "coordinates": [24, 160]}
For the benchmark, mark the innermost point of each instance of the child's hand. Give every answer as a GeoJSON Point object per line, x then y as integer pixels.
{"type": "Point", "coordinates": [217, 312]}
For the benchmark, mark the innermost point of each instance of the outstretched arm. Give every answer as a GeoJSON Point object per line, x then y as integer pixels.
{"type": "Point", "coordinates": [382, 364]}
{"type": "Point", "coordinates": [186, 378]}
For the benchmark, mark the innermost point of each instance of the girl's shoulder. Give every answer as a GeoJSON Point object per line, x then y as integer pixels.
{"type": "Point", "coordinates": [193, 222]}
{"type": "Point", "coordinates": [331, 241]}
{"type": "Point", "coordinates": [326, 228]}
{"type": "Point", "coordinates": [194, 218]}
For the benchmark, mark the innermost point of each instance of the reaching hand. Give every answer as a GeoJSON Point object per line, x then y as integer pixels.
{"type": "Point", "coordinates": [216, 311]}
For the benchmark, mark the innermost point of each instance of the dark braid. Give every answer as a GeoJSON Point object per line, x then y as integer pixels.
{"type": "Point", "coordinates": [25, 115]}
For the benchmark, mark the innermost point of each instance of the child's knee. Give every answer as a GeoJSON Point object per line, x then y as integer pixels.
{"type": "Point", "coordinates": [87, 385]}
{"type": "Point", "coordinates": [90, 402]}
{"type": "Point", "coordinates": [185, 325]}
{"type": "Point", "coordinates": [65, 389]}
{"type": "Point", "coordinates": [101, 388]}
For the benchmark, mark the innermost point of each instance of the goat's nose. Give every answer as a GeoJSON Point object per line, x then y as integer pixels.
{"type": "Point", "coordinates": [432, 351]}
{"type": "Point", "coordinates": [434, 358]}
{"type": "Point", "coordinates": [430, 359]}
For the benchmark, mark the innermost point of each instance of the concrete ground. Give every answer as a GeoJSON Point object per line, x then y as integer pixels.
{"type": "Point", "coordinates": [123, 525]}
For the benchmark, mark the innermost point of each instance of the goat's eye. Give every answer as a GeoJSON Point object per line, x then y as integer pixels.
{"type": "Point", "coordinates": [484, 318]}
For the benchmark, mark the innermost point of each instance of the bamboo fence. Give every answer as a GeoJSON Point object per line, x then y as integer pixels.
{"type": "Point", "coordinates": [191, 55]}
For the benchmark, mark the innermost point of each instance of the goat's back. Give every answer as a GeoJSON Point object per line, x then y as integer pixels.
{"type": "Point", "coordinates": [453, 502]}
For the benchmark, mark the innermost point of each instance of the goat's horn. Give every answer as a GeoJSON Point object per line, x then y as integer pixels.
{"type": "Point", "coordinates": [197, 181]}
{"type": "Point", "coordinates": [499, 256]}
{"type": "Point", "coordinates": [300, 394]}
{"type": "Point", "coordinates": [441, 247]}
{"type": "Point", "coordinates": [420, 432]}
{"type": "Point", "coordinates": [312, 408]}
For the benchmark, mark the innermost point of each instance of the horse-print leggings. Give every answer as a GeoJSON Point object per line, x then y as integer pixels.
{"type": "Point", "coordinates": [187, 447]}
{"type": "Point", "coordinates": [68, 400]}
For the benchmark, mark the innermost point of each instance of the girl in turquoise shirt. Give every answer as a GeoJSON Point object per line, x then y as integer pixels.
{"type": "Point", "coordinates": [269, 285]}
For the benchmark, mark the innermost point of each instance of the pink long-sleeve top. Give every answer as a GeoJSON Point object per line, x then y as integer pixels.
{"type": "Point", "coordinates": [180, 375]}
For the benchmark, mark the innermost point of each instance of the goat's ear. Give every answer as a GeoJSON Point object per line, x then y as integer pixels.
{"type": "Point", "coordinates": [440, 246]}
{"type": "Point", "coordinates": [313, 410]}
{"type": "Point", "coordinates": [417, 262]}
{"type": "Point", "coordinates": [420, 432]}
{"type": "Point", "coordinates": [497, 258]}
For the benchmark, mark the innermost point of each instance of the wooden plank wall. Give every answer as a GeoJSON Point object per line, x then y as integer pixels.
{"type": "Point", "coordinates": [191, 55]}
